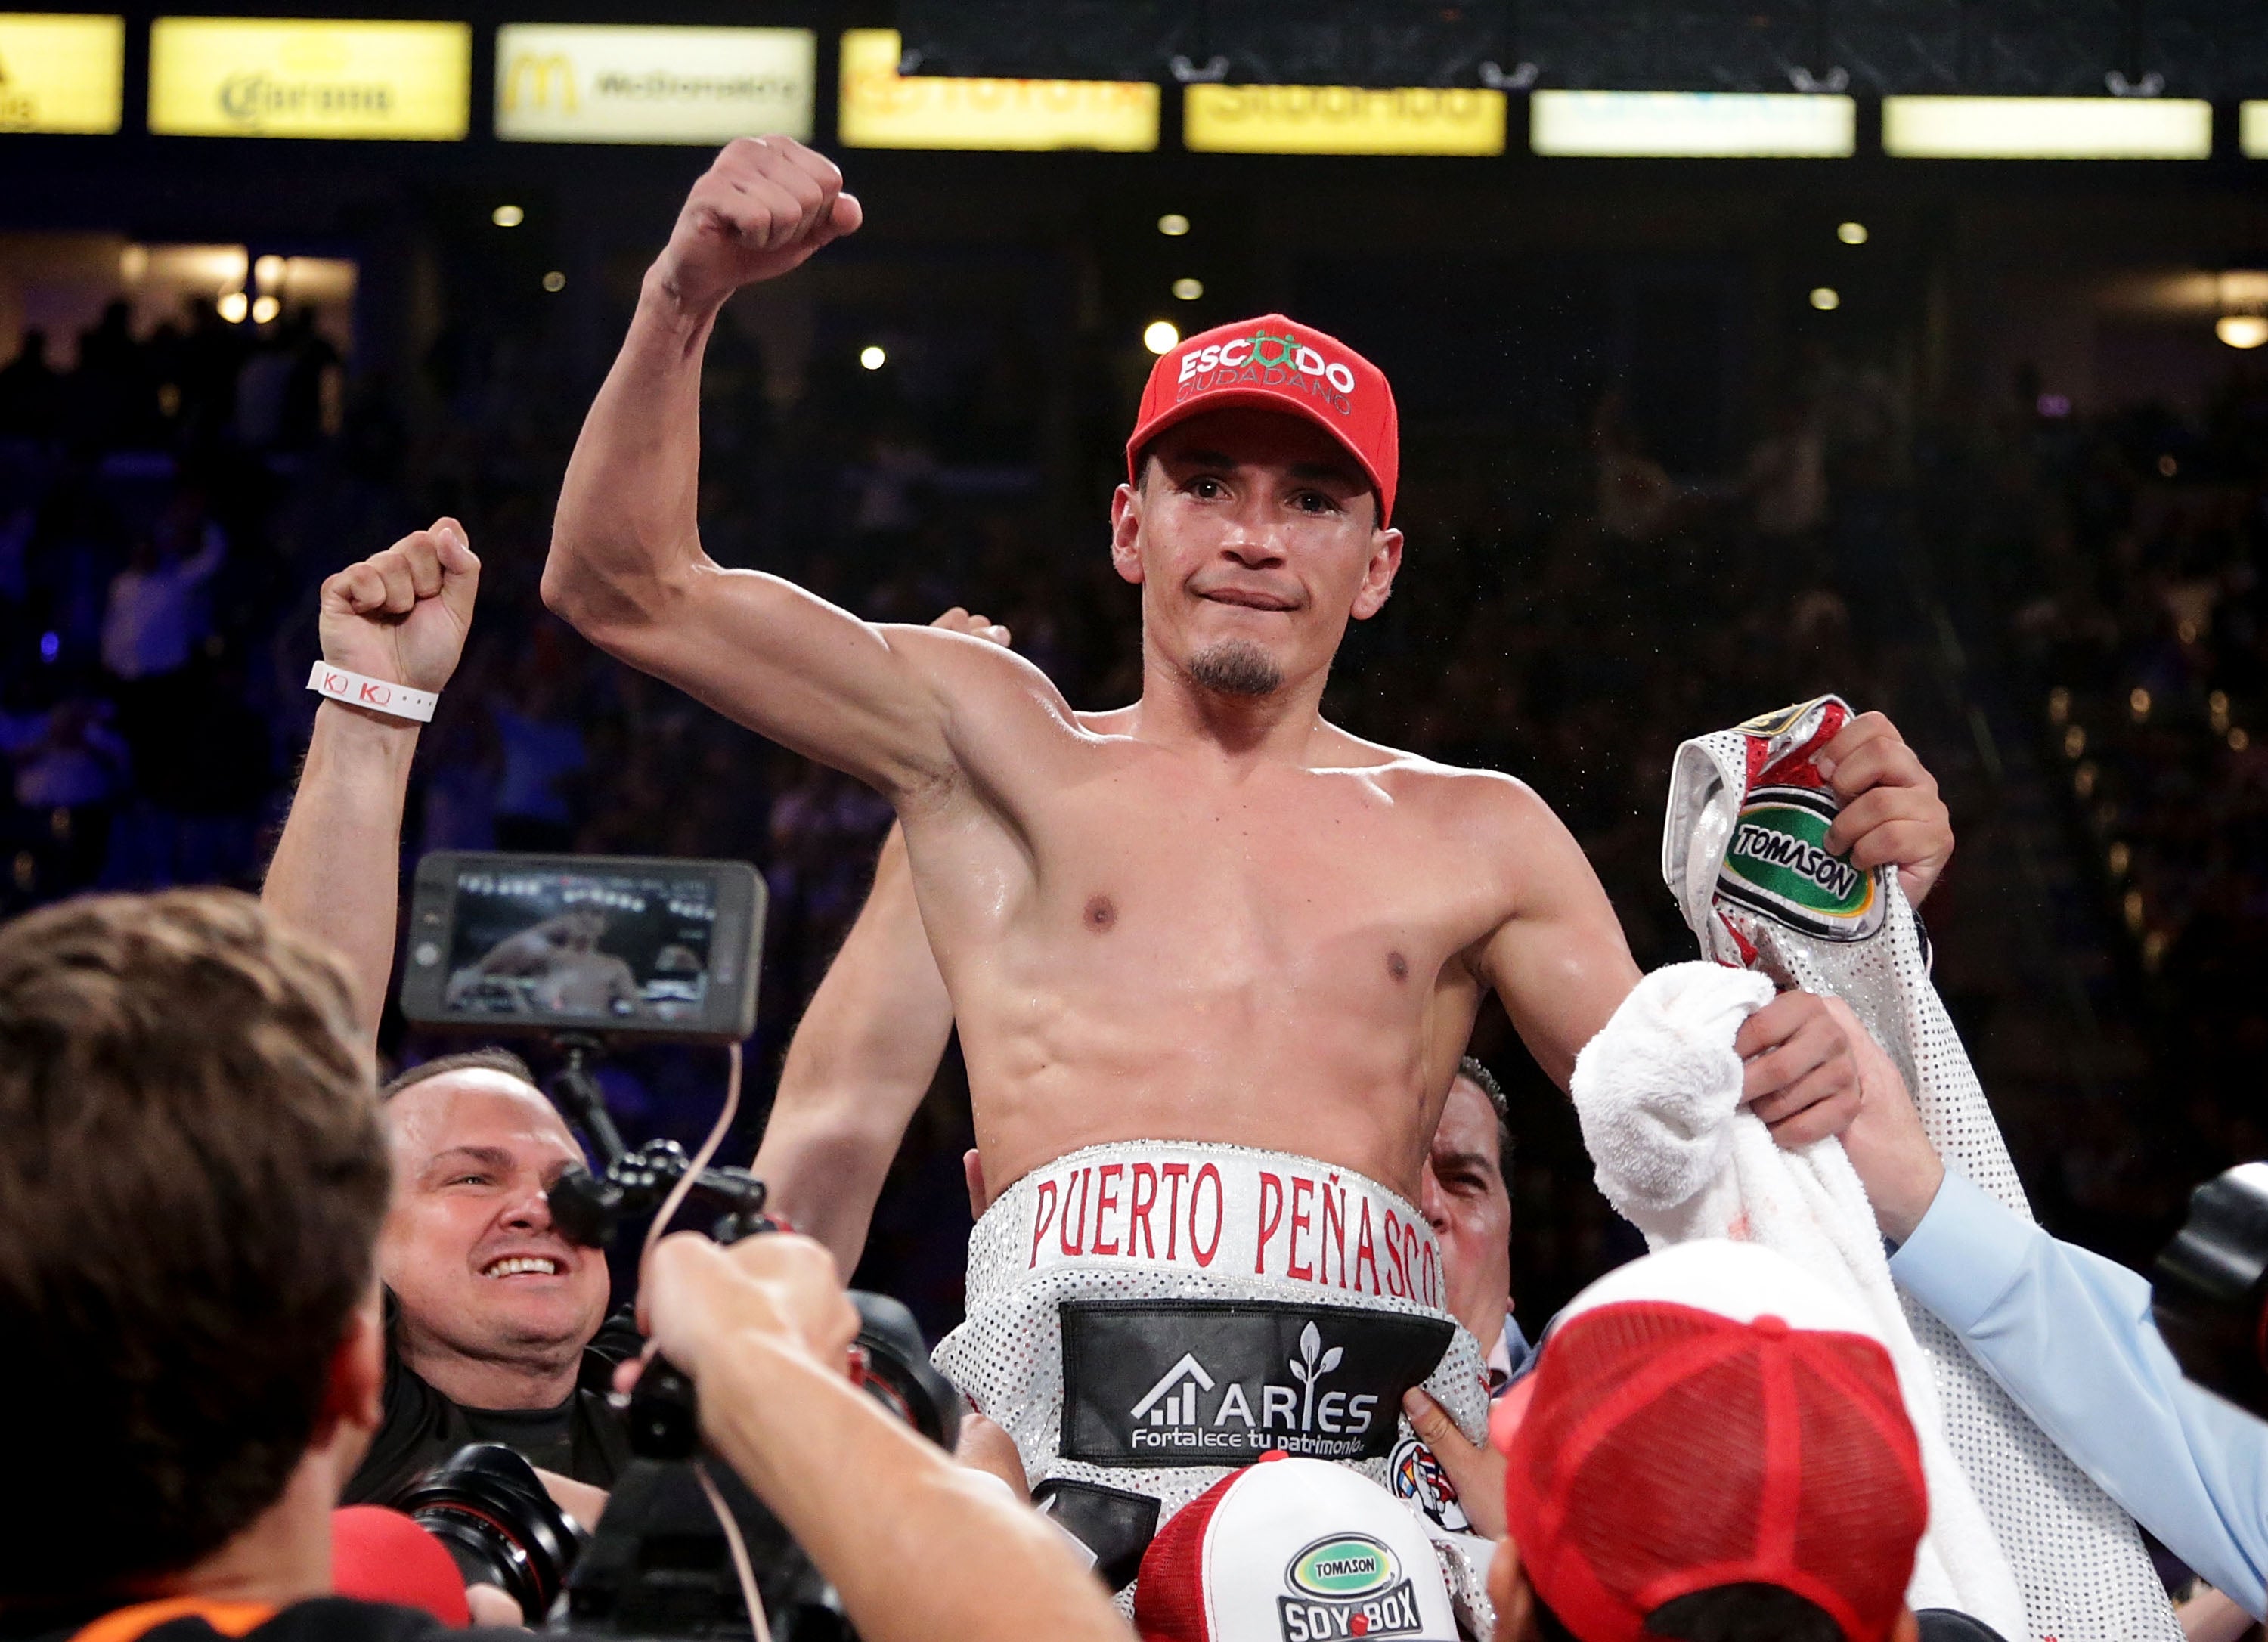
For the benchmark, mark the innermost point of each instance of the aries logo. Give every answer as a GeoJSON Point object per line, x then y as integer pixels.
{"type": "Point", "coordinates": [1346, 1586]}
{"type": "Point", "coordinates": [1266, 1380]}
{"type": "Point", "coordinates": [1777, 863]}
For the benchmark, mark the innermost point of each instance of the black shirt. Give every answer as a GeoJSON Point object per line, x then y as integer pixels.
{"type": "Point", "coordinates": [583, 1437]}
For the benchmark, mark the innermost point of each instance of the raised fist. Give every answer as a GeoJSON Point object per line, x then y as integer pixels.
{"type": "Point", "coordinates": [765, 205]}
{"type": "Point", "coordinates": [402, 615]}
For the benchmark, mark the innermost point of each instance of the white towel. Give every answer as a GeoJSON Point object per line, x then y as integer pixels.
{"type": "Point", "coordinates": [1659, 1095]}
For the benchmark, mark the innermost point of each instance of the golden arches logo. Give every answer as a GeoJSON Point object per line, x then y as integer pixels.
{"type": "Point", "coordinates": [531, 80]}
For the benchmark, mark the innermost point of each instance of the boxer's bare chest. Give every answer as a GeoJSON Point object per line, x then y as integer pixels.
{"type": "Point", "coordinates": [1280, 956]}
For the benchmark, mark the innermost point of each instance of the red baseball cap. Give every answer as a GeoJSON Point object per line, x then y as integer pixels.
{"type": "Point", "coordinates": [1278, 364]}
{"type": "Point", "coordinates": [381, 1556]}
{"type": "Point", "coordinates": [1678, 1433]}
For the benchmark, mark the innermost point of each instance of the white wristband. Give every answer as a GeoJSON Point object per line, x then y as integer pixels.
{"type": "Point", "coordinates": [398, 700]}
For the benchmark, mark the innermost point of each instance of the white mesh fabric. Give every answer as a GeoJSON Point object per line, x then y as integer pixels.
{"type": "Point", "coordinates": [1007, 1358]}
{"type": "Point", "coordinates": [2077, 1555]}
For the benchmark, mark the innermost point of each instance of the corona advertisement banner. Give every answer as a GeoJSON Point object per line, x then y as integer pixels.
{"type": "Point", "coordinates": [309, 78]}
{"type": "Point", "coordinates": [566, 82]}
{"type": "Point", "coordinates": [1341, 120]}
{"type": "Point", "coordinates": [60, 73]}
{"type": "Point", "coordinates": [881, 108]}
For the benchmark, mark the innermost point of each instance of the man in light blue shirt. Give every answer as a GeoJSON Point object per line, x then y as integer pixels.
{"type": "Point", "coordinates": [2069, 1335]}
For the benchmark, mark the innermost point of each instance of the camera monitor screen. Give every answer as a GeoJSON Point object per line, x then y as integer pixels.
{"type": "Point", "coordinates": [615, 945]}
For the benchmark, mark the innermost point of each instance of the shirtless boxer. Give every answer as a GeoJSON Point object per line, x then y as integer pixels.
{"type": "Point", "coordinates": [1227, 923]}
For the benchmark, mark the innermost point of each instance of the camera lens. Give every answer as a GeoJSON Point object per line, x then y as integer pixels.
{"type": "Point", "coordinates": [2210, 1290]}
{"type": "Point", "coordinates": [488, 1507]}
{"type": "Point", "coordinates": [899, 1374]}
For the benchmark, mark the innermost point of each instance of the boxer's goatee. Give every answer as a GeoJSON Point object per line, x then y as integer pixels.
{"type": "Point", "coordinates": [1236, 668]}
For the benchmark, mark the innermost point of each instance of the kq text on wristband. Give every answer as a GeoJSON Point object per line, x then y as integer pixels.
{"type": "Point", "coordinates": [399, 700]}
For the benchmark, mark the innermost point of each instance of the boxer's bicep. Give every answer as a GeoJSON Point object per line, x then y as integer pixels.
{"type": "Point", "coordinates": [790, 665]}
{"type": "Point", "coordinates": [1559, 962]}
{"type": "Point", "coordinates": [861, 1060]}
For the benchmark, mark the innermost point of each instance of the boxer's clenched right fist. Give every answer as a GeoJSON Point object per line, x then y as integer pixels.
{"type": "Point", "coordinates": [765, 205]}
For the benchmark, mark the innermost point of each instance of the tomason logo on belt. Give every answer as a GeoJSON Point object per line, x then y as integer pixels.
{"type": "Point", "coordinates": [1349, 1585]}
{"type": "Point", "coordinates": [1777, 863]}
{"type": "Point", "coordinates": [1193, 1382]}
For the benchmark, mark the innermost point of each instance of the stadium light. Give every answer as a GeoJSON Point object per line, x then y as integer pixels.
{"type": "Point", "coordinates": [1693, 125]}
{"type": "Point", "coordinates": [2243, 322]}
{"type": "Point", "coordinates": [1826, 299]}
{"type": "Point", "coordinates": [1160, 335]}
{"type": "Point", "coordinates": [1189, 289]}
{"type": "Point", "coordinates": [2047, 128]}
{"type": "Point", "coordinates": [1172, 225]}
{"type": "Point", "coordinates": [555, 282]}
{"type": "Point", "coordinates": [1851, 233]}
{"type": "Point", "coordinates": [264, 309]}
{"type": "Point", "coordinates": [233, 306]}
{"type": "Point", "coordinates": [871, 358]}
{"type": "Point", "coordinates": [507, 216]}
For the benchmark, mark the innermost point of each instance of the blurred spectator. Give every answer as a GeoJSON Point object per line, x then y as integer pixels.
{"type": "Point", "coordinates": [31, 393]}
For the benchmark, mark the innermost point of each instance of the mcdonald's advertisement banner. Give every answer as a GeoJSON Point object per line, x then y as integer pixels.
{"type": "Point", "coordinates": [309, 78]}
{"type": "Point", "coordinates": [569, 83]}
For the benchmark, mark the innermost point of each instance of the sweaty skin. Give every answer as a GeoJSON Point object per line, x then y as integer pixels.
{"type": "Point", "coordinates": [1227, 920]}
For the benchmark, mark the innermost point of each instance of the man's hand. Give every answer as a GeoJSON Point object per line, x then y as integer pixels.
{"type": "Point", "coordinates": [759, 210]}
{"type": "Point", "coordinates": [1477, 1473]}
{"type": "Point", "coordinates": [1885, 1142]}
{"type": "Point", "coordinates": [696, 1298]}
{"type": "Point", "coordinates": [959, 621]}
{"type": "Point", "coordinates": [1891, 814]}
{"type": "Point", "coordinates": [1800, 1075]}
{"type": "Point", "coordinates": [402, 615]}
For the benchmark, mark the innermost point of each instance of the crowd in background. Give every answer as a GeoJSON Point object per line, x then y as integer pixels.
{"type": "Point", "coordinates": [169, 503]}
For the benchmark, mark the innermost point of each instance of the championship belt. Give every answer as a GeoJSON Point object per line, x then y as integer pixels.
{"type": "Point", "coordinates": [1744, 849]}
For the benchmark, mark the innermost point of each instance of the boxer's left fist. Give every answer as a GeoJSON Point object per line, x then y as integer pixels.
{"type": "Point", "coordinates": [1799, 1073]}
{"type": "Point", "coordinates": [1891, 814]}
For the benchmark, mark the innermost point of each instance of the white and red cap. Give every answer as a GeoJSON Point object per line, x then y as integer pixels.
{"type": "Point", "coordinates": [1288, 1550]}
{"type": "Point", "coordinates": [1277, 364]}
{"type": "Point", "coordinates": [1712, 1415]}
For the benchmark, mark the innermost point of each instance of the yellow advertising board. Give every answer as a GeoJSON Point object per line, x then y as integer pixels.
{"type": "Point", "coordinates": [881, 108]}
{"type": "Point", "coordinates": [1693, 125]}
{"type": "Point", "coordinates": [2047, 128]}
{"type": "Point", "coordinates": [61, 73]}
{"type": "Point", "coordinates": [602, 83]}
{"type": "Point", "coordinates": [1341, 120]}
{"type": "Point", "coordinates": [304, 77]}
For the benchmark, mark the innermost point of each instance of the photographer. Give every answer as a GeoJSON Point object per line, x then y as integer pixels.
{"type": "Point", "coordinates": [2070, 1335]}
{"type": "Point", "coordinates": [191, 1193]}
{"type": "Point", "coordinates": [490, 1312]}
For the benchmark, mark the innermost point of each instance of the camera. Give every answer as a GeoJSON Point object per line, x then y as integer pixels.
{"type": "Point", "coordinates": [490, 1512]}
{"type": "Point", "coordinates": [2210, 1289]}
{"type": "Point", "coordinates": [584, 951]}
{"type": "Point", "coordinates": [621, 945]}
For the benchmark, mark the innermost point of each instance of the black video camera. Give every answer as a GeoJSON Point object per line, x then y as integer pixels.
{"type": "Point", "coordinates": [2209, 1292]}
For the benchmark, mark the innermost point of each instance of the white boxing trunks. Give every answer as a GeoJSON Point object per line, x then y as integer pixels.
{"type": "Point", "coordinates": [1143, 1317]}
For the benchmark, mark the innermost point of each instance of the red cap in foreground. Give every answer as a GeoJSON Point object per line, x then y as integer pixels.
{"type": "Point", "coordinates": [380, 1556]}
{"type": "Point", "coordinates": [1664, 1448]}
{"type": "Point", "coordinates": [1277, 364]}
